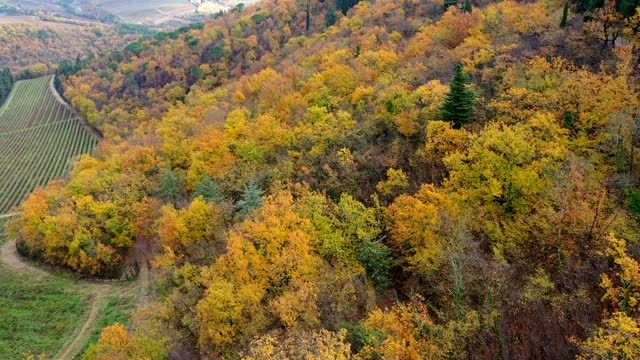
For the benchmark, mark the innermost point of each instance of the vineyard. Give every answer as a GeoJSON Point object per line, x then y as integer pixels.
{"type": "Point", "coordinates": [39, 137]}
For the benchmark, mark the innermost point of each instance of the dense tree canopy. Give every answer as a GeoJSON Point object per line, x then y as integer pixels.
{"type": "Point", "coordinates": [340, 189]}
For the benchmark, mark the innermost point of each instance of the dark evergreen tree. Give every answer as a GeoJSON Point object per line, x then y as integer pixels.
{"type": "Point", "coordinates": [308, 17]}
{"type": "Point", "coordinates": [565, 15]}
{"type": "Point", "coordinates": [6, 83]}
{"type": "Point", "coordinates": [250, 199]}
{"type": "Point", "coordinates": [331, 17]}
{"type": "Point", "coordinates": [448, 3]}
{"type": "Point", "coordinates": [627, 7]}
{"type": "Point", "coordinates": [208, 189]}
{"type": "Point", "coordinates": [468, 7]}
{"type": "Point", "coordinates": [169, 183]}
{"type": "Point", "coordinates": [345, 5]}
{"type": "Point", "coordinates": [377, 260]}
{"type": "Point", "coordinates": [590, 7]}
{"type": "Point", "coordinates": [459, 106]}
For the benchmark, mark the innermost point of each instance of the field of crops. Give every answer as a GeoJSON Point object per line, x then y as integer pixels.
{"type": "Point", "coordinates": [39, 137]}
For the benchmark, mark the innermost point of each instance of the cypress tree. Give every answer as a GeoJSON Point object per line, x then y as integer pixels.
{"type": "Point", "coordinates": [468, 8]}
{"type": "Point", "coordinates": [308, 17]}
{"type": "Point", "coordinates": [459, 106]}
{"type": "Point", "coordinates": [7, 74]}
{"type": "Point", "coordinates": [565, 15]}
{"type": "Point", "coordinates": [331, 17]}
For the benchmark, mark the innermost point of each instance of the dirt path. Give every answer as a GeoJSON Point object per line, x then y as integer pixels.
{"type": "Point", "coordinates": [97, 291]}
{"type": "Point", "coordinates": [9, 257]}
{"type": "Point", "coordinates": [81, 338]}
{"type": "Point", "coordinates": [8, 215]}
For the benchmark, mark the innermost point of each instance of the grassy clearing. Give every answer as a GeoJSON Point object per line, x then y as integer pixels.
{"type": "Point", "coordinates": [112, 310]}
{"type": "Point", "coordinates": [37, 316]}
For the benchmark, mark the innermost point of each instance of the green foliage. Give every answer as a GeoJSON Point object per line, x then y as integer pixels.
{"type": "Point", "coordinates": [345, 5]}
{"type": "Point", "coordinates": [459, 107]}
{"type": "Point", "coordinates": [633, 202]}
{"type": "Point", "coordinates": [6, 84]}
{"type": "Point", "coordinates": [331, 18]}
{"type": "Point", "coordinates": [208, 189]}
{"type": "Point", "coordinates": [377, 260]}
{"type": "Point", "coordinates": [250, 199]}
{"type": "Point", "coordinates": [124, 28]}
{"type": "Point", "coordinates": [169, 185]}
{"type": "Point", "coordinates": [468, 7]}
{"type": "Point", "coordinates": [308, 16]}
{"type": "Point", "coordinates": [565, 15]}
{"type": "Point", "coordinates": [135, 48]}
{"type": "Point", "coordinates": [360, 336]}
{"type": "Point", "coordinates": [217, 52]}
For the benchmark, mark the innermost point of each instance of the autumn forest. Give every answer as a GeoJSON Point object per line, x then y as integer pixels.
{"type": "Point", "coordinates": [320, 179]}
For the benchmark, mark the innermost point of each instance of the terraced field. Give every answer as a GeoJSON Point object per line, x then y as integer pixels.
{"type": "Point", "coordinates": [39, 137]}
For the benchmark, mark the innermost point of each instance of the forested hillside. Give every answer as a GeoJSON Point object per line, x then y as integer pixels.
{"type": "Point", "coordinates": [374, 180]}
{"type": "Point", "coordinates": [39, 44]}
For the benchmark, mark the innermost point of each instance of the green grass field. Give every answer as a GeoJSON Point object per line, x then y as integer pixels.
{"type": "Point", "coordinates": [42, 315]}
{"type": "Point", "coordinates": [38, 316]}
{"type": "Point", "coordinates": [39, 138]}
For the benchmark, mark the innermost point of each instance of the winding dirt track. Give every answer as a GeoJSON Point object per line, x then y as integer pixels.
{"type": "Point", "coordinates": [95, 291]}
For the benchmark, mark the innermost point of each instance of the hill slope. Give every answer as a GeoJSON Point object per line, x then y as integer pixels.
{"type": "Point", "coordinates": [39, 136]}
{"type": "Point", "coordinates": [319, 178]}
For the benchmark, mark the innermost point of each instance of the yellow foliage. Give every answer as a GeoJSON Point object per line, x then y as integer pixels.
{"type": "Point", "coordinates": [403, 333]}
{"type": "Point", "coordinates": [420, 227]}
{"type": "Point", "coordinates": [618, 338]}
{"type": "Point", "coordinates": [623, 291]}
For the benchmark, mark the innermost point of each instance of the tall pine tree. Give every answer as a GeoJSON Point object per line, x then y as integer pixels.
{"type": "Point", "coordinates": [208, 189]}
{"type": "Point", "coordinates": [565, 15]}
{"type": "Point", "coordinates": [251, 198]}
{"type": "Point", "coordinates": [459, 106]}
{"type": "Point", "coordinates": [468, 7]}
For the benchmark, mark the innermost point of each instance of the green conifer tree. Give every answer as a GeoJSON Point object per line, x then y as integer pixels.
{"type": "Point", "coordinates": [459, 106]}
{"type": "Point", "coordinates": [331, 17]}
{"type": "Point", "coordinates": [208, 189]}
{"type": "Point", "coordinates": [565, 15]}
{"type": "Point", "coordinates": [308, 16]}
{"type": "Point", "coordinates": [169, 183]}
{"type": "Point", "coordinates": [468, 8]}
{"type": "Point", "coordinates": [250, 199]}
